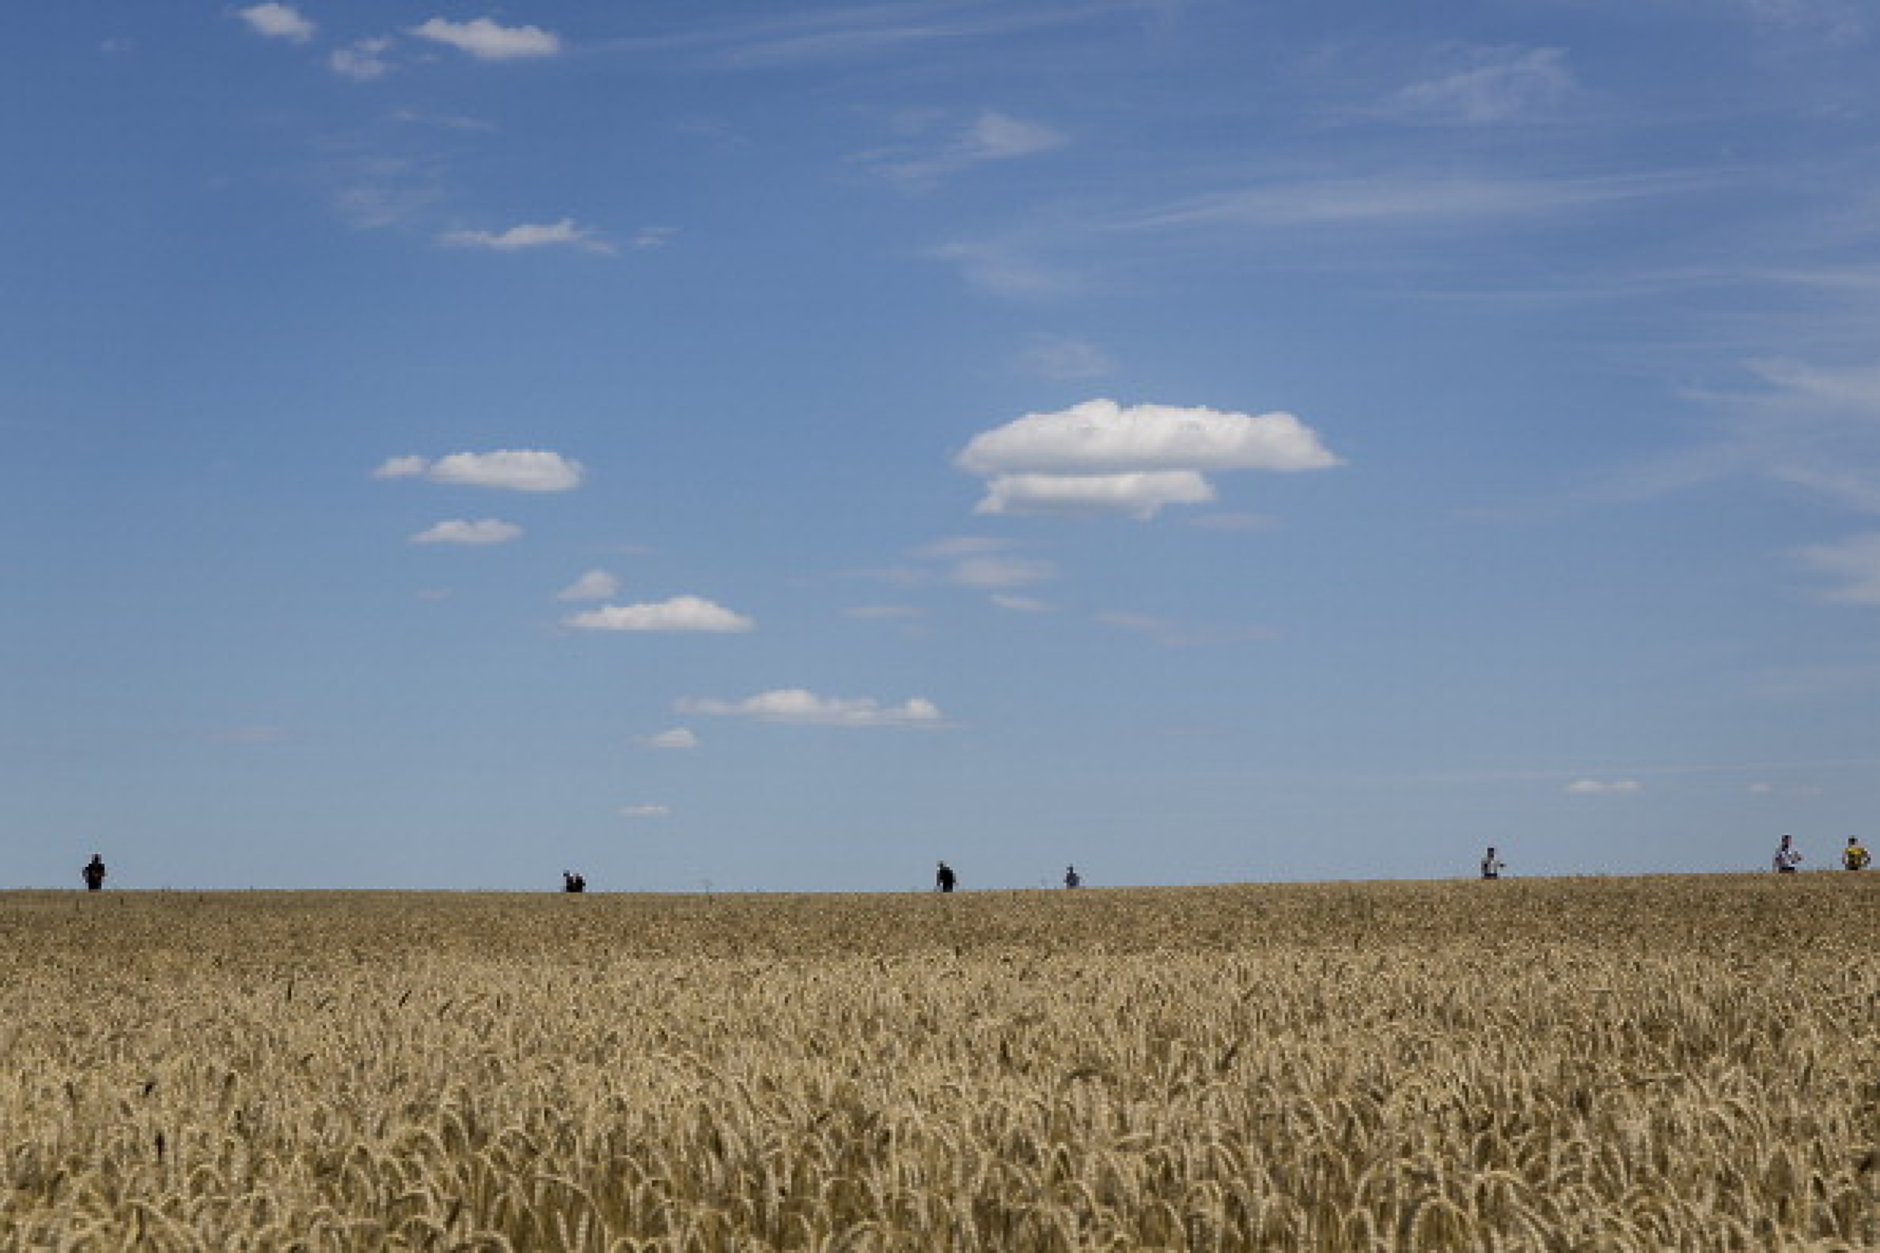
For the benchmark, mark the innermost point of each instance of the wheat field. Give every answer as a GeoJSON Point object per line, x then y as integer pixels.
{"type": "Point", "coordinates": [1600, 1064]}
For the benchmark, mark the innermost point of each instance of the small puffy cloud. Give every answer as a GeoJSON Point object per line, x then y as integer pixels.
{"type": "Point", "coordinates": [681, 613]}
{"type": "Point", "coordinates": [562, 234]}
{"type": "Point", "coordinates": [677, 739]}
{"type": "Point", "coordinates": [1854, 565]}
{"type": "Point", "coordinates": [488, 41]}
{"type": "Point", "coordinates": [362, 61]}
{"type": "Point", "coordinates": [516, 470]}
{"type": "Point", "coordinates": [1600, 787]}
{"type": "Point", "coordinates": [1103, 437]}
{"type": "Point", "coordinates": [1137, 495]}
{"type": "Point", "coordinates": [277, 21]}
{"type": "Point", "coordinates": [459, 531]}
{"type": "Point", "coordinates": [642, 812]}
{"type": "Point", "coordinates": [1102, 457]}
{"type": "Point", "coordinates": [801, 706]}
{"type": "Point", "coordinates": [594, 585]}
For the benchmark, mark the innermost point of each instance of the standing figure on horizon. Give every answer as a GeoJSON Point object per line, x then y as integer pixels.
{"type": "Point", "coordinates": [93, 873]}
{"type": "Point", "coordinates": [944, 879]}
{"type": "Point", "coordinates": [1071, 877]}
{"type": "Point", "coordinates": [572, 882]}
{"type": "Point", "coordinates": [1788, 858]}
{"type": "Point", "coordinates": [1492, 865]}
{"type": "Point", "coordinates": [1854, 857]}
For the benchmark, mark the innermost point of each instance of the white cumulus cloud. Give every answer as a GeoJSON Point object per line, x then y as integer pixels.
{"type": "Point", "coordinates": [277, 21]}
{"type": "Point", "coordinates": [1102, 457]}
{"type": "Point", "coordinates": [516, 470]}
{"type": "Point", "coordinates": [488, 41]}
{"type": "Point", "coordinates": [802, 706]}
{"type": "Point", "coordinates": [678, 738]}
{"type": "Point", "coordinates": [1103, 437]}
{"type": "Point", "coordinates": [563, 234]}
{"type": "Point", "coordinates": [681, 613]}
{"type": "Point", "coordinates": [594, 585]}
{"type": "Point", "coordinates": [459, 531]}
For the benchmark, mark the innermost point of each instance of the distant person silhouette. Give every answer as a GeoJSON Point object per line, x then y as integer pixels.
{"type": "Point", "coordinates": [1071, 877]}
{"type": "Point", "coordinates": [1492, 866]}
{"type": "Point", "coordinates": [93, 873]}
{"type": "Point", "coordinates": [572, 882]}
{"type": "Point", "coordinates": [1854, 857]}
{"type": "Point", "coordinates": [944, 879]}
{"type": "Point", "coordinates": [1788, 858]}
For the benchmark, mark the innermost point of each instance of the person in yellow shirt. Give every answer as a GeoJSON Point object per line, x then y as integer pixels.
{"type": "Point", "coordinates": [1854, 857]}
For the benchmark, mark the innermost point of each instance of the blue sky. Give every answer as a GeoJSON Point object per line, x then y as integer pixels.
{"type": "Point", "coordinates": [780, 446]}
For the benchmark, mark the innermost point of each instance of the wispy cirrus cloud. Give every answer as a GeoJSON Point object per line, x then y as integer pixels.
{"type": "Point", "coordinates": [1604, 787]}
{"type": "Point", "coordinates": [522, 238]}
{"type": "Point", "coordinates": [1405, 200]}
{"type": "Point", "coordinates": [1853, 566]}
{"type": "Point", "coordinates": [1174, 633]}
{"type": "Point", "coordinates": [516, 470]}
{"type": "Point", "coordinates": [278, 21]}
{"type": "Point", "coordinates": [486, 40]}
{"type": "Point", "coordinates": [798, 705]}
{"type": "Point", "coordinates": [862, 32]}
{"type": "Point", "coordinates": [1062, 357]}
{"type": "Point", "coordinates": [678, 739]}
{"type": "Point", "coordinates": [680, 614]}
{"type": "Point", "coordinates": [363, 60]}
{"type": "Point", "coordinates": [1802, 424]}
{"type": "Point", "coordinates": [990, 137]}
{"type": "Point", "coordinates": [1495, 85]}
{"type": "Point", "coordinates": [982, 563]}
{"type": "Point", "coordinates": [376, 191]}
{"type": "Point", "coordinates": [1010, 268]}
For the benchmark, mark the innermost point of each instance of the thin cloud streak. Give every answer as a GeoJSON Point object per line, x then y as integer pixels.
{"type": "Point", "coordinates": [1408, 201]}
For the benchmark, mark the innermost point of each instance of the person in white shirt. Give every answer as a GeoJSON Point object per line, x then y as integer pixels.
{"type": "Point", "coordinates": [1787, 857]}
{"type": "Point", "coordinates": [1491, 865]}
